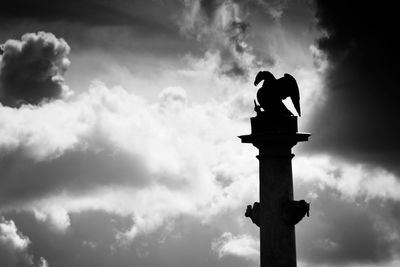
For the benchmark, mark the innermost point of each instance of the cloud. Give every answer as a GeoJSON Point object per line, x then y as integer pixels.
{"type": "Point", "coordinates": [222, 26]}
{"type": "Point", "coordinates": [107, 147]}
{"type": "Point", "coordinates": [32, 69]}
{"type": "Point", "coordinates": [87, 12]}
{"type": "Point", "coordinates": [103, 32]}
{"type": "Point", "coordinates": [351, 180]}
{"type": "Point", "coordinates": [358, 119]}
{"type": "Point", "coordinates": [14, 247]}
{"type": "Point", "coordinates": [241, 246]}
{"type": "Point", "coordinates": [180, 241]}
{"type": "Point", "coordinates": [172, 97]}
{"type": "Point", "coordinates": [346, 232]}
{"type": "Point", "coordinates": [274, 8]}
{"type": "Point", "coordinates": [352, 219]}
{"type": "Point", "coordinates": [43, 262]}
{"type": "Point", "coordinates": [10, 237]}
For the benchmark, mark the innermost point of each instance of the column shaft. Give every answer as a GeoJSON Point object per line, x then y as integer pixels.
{"type": "Point", "coordinates": [277, 238]}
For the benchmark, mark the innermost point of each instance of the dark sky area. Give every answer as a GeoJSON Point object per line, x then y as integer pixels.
{"type": "Point", "coordinates": [359, 118]}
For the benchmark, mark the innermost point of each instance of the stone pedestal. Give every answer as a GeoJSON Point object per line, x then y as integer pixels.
{"type": "Point", "coordinates": [274, 136]}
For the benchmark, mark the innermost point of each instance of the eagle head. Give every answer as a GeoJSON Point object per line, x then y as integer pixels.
{"type": "Point", "coordinates": [263, 75]}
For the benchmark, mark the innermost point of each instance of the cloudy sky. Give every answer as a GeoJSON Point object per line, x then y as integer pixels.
{"type": "Point", "coordinates": [119, 124]}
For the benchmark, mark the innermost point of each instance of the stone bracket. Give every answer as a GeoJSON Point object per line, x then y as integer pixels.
{"type": "Point", "coordinates": [294, 211]}
{"type": "Point", "coordinates": [254, 213]}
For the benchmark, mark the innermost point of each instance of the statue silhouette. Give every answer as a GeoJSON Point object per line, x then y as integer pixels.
{"type": "Point", "coordinates": [273, 91]}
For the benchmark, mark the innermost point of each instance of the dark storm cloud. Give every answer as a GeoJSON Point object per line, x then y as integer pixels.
{"type": "Point", "coordinates": [208, 7]}
{"type": "Point", "coordinates": [121, 25]}
{"type": "Point", "coordinates": [86, 243]}
{"type": "Point", "coordinates": [91, 241]}
{"type": "Point", "coordinates": [359, 119]}
{"type": "Point", "coordinates": [31, 70]}
{"type": "Point", "coordinates": [92, 12]}
{"type": "Point", "coordinates": [142, 17]}
{"type": "Point", "coordinates": [77, 172]}
{"type": "Point", "coordinates": [346, 232]}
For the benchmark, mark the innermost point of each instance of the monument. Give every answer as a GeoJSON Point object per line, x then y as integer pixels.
{"type": "Point", "coordinates": [274, 132]}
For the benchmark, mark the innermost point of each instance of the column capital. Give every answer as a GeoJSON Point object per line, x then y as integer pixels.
{"type": "Point", "coordinates": [274, 140]}
{"type": "Point", "coordinates": [275, 133]}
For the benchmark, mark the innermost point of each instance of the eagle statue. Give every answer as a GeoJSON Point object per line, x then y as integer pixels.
{"type": "Point", "coordinates": [273, 91]}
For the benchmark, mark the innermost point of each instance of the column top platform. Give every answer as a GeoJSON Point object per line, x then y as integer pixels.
{"type": "Point", "coordinates": [275, 130]}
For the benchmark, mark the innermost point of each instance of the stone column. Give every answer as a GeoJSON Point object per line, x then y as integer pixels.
{"type": "Point", "coordinates": [274, 136]}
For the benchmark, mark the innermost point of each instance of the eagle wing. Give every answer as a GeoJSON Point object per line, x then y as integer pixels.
{"type": "Point", "coordinates": [293, 91]}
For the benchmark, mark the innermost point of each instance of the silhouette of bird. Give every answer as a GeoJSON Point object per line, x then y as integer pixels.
{"type": "Point", "coordinates": [273, 91]}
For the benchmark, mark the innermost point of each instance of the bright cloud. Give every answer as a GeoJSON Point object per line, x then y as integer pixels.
{"type": "Point", "coordinates": [240, 246]}
{"type": "Point", "coordinates": [170, 153]}
{"type": "Point", "coordinates": [351, 180]}
{"type": "Point", "coordinates": [14, 247]}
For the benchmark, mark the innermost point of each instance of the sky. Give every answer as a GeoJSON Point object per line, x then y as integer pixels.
{"type": "Point", "coordinates": [119, 124]}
